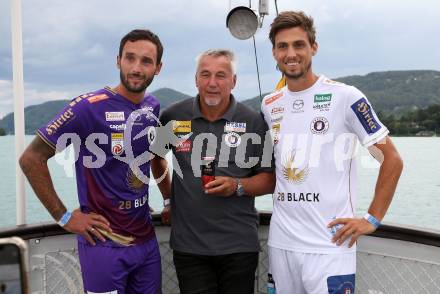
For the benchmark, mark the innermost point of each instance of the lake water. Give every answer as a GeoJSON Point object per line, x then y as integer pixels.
{"type": "Point", "coordinates": [416, 202]}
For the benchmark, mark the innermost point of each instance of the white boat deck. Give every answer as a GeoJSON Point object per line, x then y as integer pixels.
{"type": "Point", "coordinates": [394, 260]}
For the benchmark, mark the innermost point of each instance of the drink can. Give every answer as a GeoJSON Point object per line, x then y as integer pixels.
{"type": "Point", "coordinates": [208, 169]}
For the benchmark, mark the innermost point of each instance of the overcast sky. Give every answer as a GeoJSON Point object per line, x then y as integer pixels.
{"type": "Point", "coordinates": [70, 47]}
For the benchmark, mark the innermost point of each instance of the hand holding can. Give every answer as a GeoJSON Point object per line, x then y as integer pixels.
{"type": "Point", "coordinates": [208, 169]}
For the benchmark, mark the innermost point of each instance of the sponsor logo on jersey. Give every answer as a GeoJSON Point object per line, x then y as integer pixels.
{"type": "Point", "coordinates": [60, 121]}
{"type": "Point", "coordinates": [364, 113]}
{"type": "Point", "coordinates": [319, 125]}
{"type": "Point", "coordinates": [321, 106]}
{"type": "Point", "coordinates": [276, 128]}
{"type": "Point", "coordinates": [298, 197]}
{"type": "Point", "coordinates": [322, 102]}
{"type": "Point", "coordinates": [273, 98]}
{"type": "Point", "coordinates": [298, 106]}
{"type": "Point", "coordinates": [232, 139]}
{"type": "Point", "coordinates": [117, 143]}
{"type": "Point", "coordinates": [73, 102]}
{"type": "Point", "coordinates": [114, 116]}
{"type": "Point", "coordinates": [238, 127]}
{"type": "Point", "coordinates": [181, 126]}
{"type": "Point", "coordinates": [276, 114]}
{"type": "Point", "coordinates": [96, 98]}
{"type": "Point", "coordinates": [184, 146]}
{"type": "Point", "coordinates": [120, 127]}
{"type": "Point", "coordinates": [291, 173]}
{"type": "Point", "coordinates": [276, 110]}
{"type": "Point", "coordinates": [322, 98]}
{"type": "Point", "coordinates": [276, 119]}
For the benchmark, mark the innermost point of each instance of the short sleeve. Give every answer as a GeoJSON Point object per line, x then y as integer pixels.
{"type": "Point", "coordinates": [361, 118]}
{"type": "Point", "coordinates": [68, 120]}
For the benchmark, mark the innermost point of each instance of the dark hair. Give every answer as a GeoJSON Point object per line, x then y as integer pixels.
{"type": "Point", "coordinates": [292, 19]}
{"type": "Point", "coordinates": [137, 35]}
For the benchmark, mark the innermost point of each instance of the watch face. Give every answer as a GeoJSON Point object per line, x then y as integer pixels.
{"type": "Point", "coordinates": [240, 189]}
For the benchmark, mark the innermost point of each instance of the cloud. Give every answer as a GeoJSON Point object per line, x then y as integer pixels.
{"type": "Point", "coordinates": [71, 47]}
{"type": "Point", "coordinates": [32, 95]}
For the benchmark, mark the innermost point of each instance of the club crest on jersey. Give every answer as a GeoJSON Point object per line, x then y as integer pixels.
{"type": "Point", "coordinates": [238, 127]}
{"type": "Point", "coordinates": [297, 106]}
{"type": "Point", "coordinates": [291, 173]}
{"type": "Point", "coordinates": [365, 115]}
{"type": "Point", "coordinates": [319, 125]}
{"type": "Point", "coordinates": [232, 139]}
{"type": "Point", "coordinates": [117, 143]}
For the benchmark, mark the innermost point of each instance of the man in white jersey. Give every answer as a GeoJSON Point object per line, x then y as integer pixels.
{"type": "Point", "coordinates": [316, 125]}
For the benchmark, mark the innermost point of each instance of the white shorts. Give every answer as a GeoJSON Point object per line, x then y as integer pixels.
{"type": "Point", "coordinates": [311, 273]}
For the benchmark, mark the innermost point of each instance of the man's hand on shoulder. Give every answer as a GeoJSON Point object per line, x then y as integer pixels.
{"type": "Point", "coordinates": [352, 227]}
{"type": "Point", "coordinates": [85, 224]}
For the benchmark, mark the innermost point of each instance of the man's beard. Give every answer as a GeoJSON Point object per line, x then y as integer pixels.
{"type": "Point", "coordinates": [135, 89]}
{"type": "Point", "coordinates": [298, 75]}
{"type": "Point", "coordinates": [212, 101]}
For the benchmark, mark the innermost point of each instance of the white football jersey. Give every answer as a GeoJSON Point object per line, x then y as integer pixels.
{"type": "Point", "coordinates": [316, 134]}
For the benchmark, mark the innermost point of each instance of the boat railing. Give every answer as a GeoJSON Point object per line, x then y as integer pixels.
{"type": "Point", "coordinates": [394, 259]}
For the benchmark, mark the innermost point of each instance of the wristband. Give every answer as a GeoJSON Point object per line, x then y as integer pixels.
{"type": "Point", "coordinates": [65, 218]}
{"type": "Point", "coordinates": [166, 202]}
{"type": "Point", "coordinates": [372, 220]}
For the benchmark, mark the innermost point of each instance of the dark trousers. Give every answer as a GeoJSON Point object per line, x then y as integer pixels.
{"type": "Point", "coordinates": [216, 274]}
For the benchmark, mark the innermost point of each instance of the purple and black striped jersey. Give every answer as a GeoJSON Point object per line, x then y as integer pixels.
{"type": "Point", "coordinates": [109, 135]}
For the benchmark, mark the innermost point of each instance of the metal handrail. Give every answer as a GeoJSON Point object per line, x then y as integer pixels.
{"type": "Point", "coordinates": [389, 231]}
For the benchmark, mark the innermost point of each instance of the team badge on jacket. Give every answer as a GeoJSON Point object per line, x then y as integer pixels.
{"type": "Point", "coordinates": [232, 139]}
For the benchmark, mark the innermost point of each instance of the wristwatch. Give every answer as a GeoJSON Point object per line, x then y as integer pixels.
{"type": "Point", "coordinates": [240, 189]}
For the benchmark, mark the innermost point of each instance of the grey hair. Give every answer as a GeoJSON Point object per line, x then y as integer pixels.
{"type": "Point", "coordinates": [218, 53]}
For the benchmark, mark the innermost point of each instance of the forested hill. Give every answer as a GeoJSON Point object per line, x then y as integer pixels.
{"type": "Point", "coordinates": [38, 115]}
{"type": "Point", "coordinates": [391, 92]}
{"type": "Point", "coordinates": [398, 91]}
{"type": "Point", "coordinates": [394, 92]}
